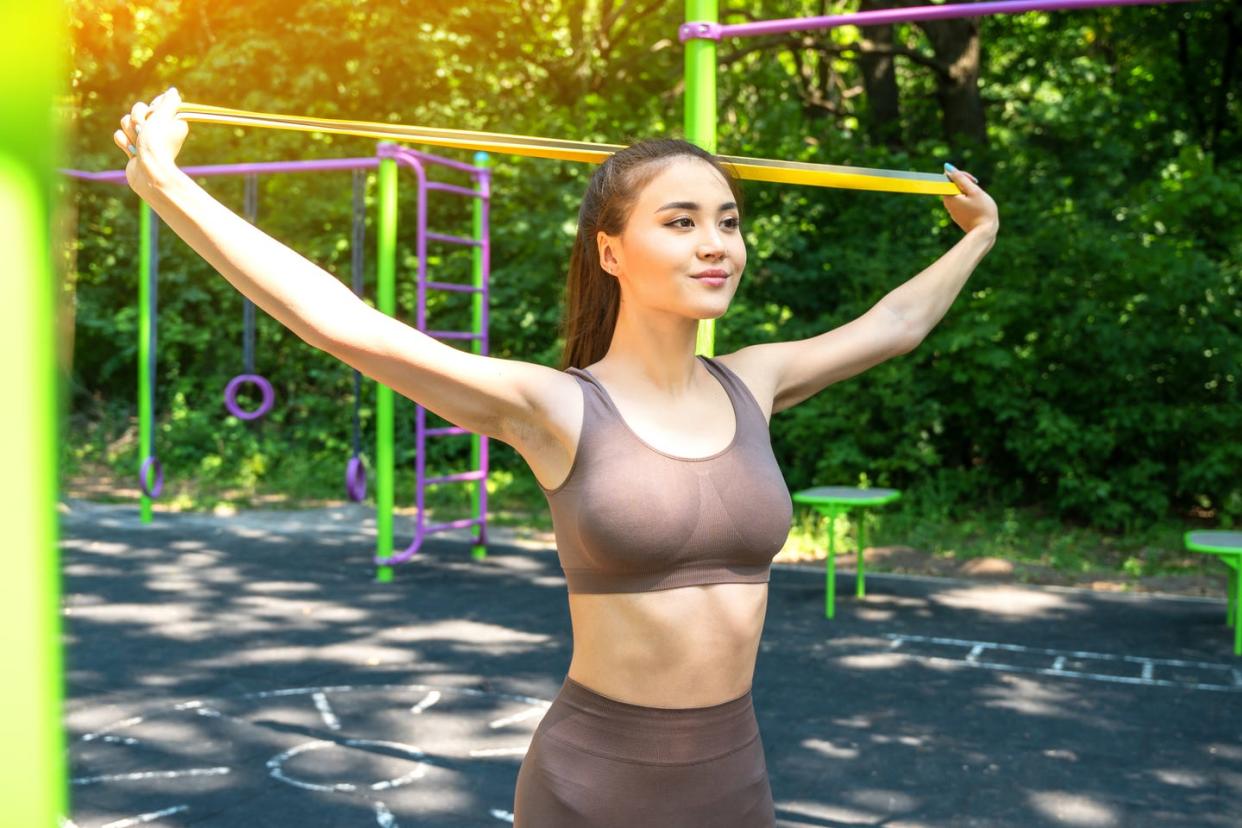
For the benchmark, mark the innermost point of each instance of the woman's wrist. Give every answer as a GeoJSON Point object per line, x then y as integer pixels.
{"type": "Point", "coordinates": [986, 228]}
{"type": "Point", "coordinates": [161, 179]}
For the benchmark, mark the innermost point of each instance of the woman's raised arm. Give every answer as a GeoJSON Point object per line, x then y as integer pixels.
{"type": "Point", "coordinates": [496, 397]}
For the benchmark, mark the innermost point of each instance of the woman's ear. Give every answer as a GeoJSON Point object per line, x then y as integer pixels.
{"type": "Point", "coordinates": [607, 256]}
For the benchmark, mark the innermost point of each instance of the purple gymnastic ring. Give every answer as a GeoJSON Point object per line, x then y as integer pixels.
{"type": "Point", "coordinates": [145, 472]}
{"type": "Point", "coordinates": [356, 479]}
{"type": "Point", "coordinates": [265, 388]}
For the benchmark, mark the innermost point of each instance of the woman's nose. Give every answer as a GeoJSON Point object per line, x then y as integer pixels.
{"type": "Point", "coordinates": [712, 244]}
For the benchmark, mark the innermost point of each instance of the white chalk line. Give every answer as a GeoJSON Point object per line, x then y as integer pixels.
{"type": "Point", "coordinates": [347, 688]}
{"type": "Point", "coordinates": [325, 711]}
{"type": "Point", "coordinates": [276, 765]}
{"type": "Point", "coordinates": [133, 720]}
{"type": "Point", "coordinates": [513, 751]}
{"type": "Point", "coordinates": [1019, 648]}
{"type": "Point", "coordinates": [1057, 668]}
{"type": "Point", "coordinates": [383, 816]}
{"type": "Point", "coordinates": [178, 774]}
{"type": "Point", "coordinates": [517, 717]}
{"type": "Point", "coordinates": [428, 701]}
{"type": "Point", "coordinates": [149, 817]}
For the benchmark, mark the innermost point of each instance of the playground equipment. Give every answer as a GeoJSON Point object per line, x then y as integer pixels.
{"type": "Point", "coordinates": [355, 471]}
{"type": "Point", "coordinates": [708, 29]}
{"type": "Point", "coordinates": [34, 790]}
{"type": "Point", "coordinates": [388, 159]}
{"type": "Point", "coordinates": [251, 211]}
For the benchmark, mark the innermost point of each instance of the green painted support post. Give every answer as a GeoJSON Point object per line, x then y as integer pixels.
{"type": "Point", "coordinates": [33, 66]}
{"type": "Point", "coordinates": [386, 302]}
{"type": "Point", "coordinates": [700, 115]}
{"type": "Point", "coordinates": [146, 429]}
{"type": "Point", "coordinates": [478, 325]}
{"type": "Point", "coordinates": [860, 580]}
{"type": "Point", "coordinates": [830, 570]}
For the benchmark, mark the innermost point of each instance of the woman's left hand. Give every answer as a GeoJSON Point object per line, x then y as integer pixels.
{"type": "Point", "coordinates": [972, 208]}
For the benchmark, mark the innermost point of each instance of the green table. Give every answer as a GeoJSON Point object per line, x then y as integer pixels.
{"type": "Point", "coordinates": [838, 500]}
{"type": "Point", "coordinates": [1228, 546]}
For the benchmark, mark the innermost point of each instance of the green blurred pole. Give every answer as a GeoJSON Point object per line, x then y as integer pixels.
{"type": "Point", "coordinates": [146, 447]}
{"type": "Point", "coordinates": [33, 789]}
{"type": "Point", "coordinates": [700, 115]}
{"type": "Point", "coordinates": [478, 231]}
{"type": "Point", "coordinates": [386, 302]}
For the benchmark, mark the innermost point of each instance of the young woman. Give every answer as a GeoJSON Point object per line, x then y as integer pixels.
{"type": "Point", "coordinates": [667, 501]}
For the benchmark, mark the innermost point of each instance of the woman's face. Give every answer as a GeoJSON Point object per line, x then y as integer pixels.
{"type": "Point", "coordinates": [684, 223]}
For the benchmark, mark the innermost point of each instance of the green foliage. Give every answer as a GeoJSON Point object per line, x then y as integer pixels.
{"type": "Point", "coordinates": [1089, 367]}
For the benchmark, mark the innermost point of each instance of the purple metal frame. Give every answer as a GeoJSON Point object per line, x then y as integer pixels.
{"type": "Point", "coordinates": [878, 17]}
{"type": "Point", "coordinates": [118, 176]}
{"type": "Point", "coordinates": [417, 162]}
{"type": "Point", "coordinates": [413, 160]}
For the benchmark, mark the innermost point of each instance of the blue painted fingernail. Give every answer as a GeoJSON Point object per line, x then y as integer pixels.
{"type": "Point", "coordinates": [133, 149]}
{"type": "Point", "coordinates": [950, 167]}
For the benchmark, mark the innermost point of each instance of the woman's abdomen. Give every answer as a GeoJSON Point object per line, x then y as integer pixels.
{"type": "Point", "coordinates": [687, 647]}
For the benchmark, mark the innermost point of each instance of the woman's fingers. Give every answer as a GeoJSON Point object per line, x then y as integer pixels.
{"type": "Point", "coordinates": [160, 113]}
{"type": "Point", "coordinates": [966, 182]}
{"type": "Point", "coordinates": [961, 172]}
{"type": "Point", "coordinates": [139, 112]}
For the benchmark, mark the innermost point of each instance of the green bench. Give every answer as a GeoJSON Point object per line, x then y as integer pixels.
{"type": "Point", "coordinates": [1228, 547]}
{"type": "Point", "coordinates": [838, 500]}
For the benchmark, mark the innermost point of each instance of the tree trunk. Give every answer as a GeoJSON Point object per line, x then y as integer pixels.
{"type": "Point", "coordinates": [883, 120]}
{"type": "Point", "coordinates": [956, 43]}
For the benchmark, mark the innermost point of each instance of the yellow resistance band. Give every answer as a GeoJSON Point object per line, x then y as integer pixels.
{"type": "Point", "coordinates": [751, 169]}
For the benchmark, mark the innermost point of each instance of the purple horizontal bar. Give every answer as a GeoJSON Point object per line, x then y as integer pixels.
{"type": "Point", "coordinates": [445, 237]}
{"type": "Point", "coordinates": [447, 430]}
{"type": "Point", "coordinates": [454, 334]}
{"type": "Point", "coordinates": [454, 189]}
{"type": "Point", "coordinates": [454, 478]}
{"type": "Point", "coordinates": [315, 165]}
{"type": "Point", "coordinates": [389, 149]}
{"type": "Point", "coordinates": [456, 524]}
{"type": "Point", "coordinates": [118, 176]}
{"type": "Point", "coordinates": [879, 17]}
{"type": "Point", "coordinates": [455, 286]}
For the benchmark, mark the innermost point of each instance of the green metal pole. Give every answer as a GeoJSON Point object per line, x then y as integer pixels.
{"type": "Point", "coordinates": [481, 159]}
{"type": "Point", "coordinates": [700, 116]}
{"type": "Point", "coordinates": [859, 586]}
{"type": "Point", "coordinates": [386, 302]}
{"type": "Point", "coordinates": [146, 436]}
{"type": "Point", "coordinates": [33, 789]}
{"type": "Point", "coordinates": [830, 567]}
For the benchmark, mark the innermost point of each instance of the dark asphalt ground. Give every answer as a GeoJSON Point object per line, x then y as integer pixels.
{"type": "Point", "coordinates": [247, 671]}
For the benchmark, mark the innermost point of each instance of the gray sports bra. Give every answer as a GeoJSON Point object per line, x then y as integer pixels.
{"type": "Point", "coordinates": [631, 518]}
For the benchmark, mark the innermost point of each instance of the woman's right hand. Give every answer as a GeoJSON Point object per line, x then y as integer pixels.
{"type": "Point", "coordinates": [156, 134]}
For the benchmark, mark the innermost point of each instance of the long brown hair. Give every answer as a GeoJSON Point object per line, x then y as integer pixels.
{"type": "Point", "coordinates": [593, 296]}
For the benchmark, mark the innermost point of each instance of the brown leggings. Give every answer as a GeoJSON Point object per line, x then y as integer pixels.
{"type": "Point", "coordinates": [596, 762]}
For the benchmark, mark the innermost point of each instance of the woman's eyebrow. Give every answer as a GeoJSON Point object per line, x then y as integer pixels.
{"type": "Point", "coordinates": [693, 205]}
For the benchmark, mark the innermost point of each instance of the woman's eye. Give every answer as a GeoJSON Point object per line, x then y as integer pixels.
{"type": "Point", "coordinates": [733, 222]}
